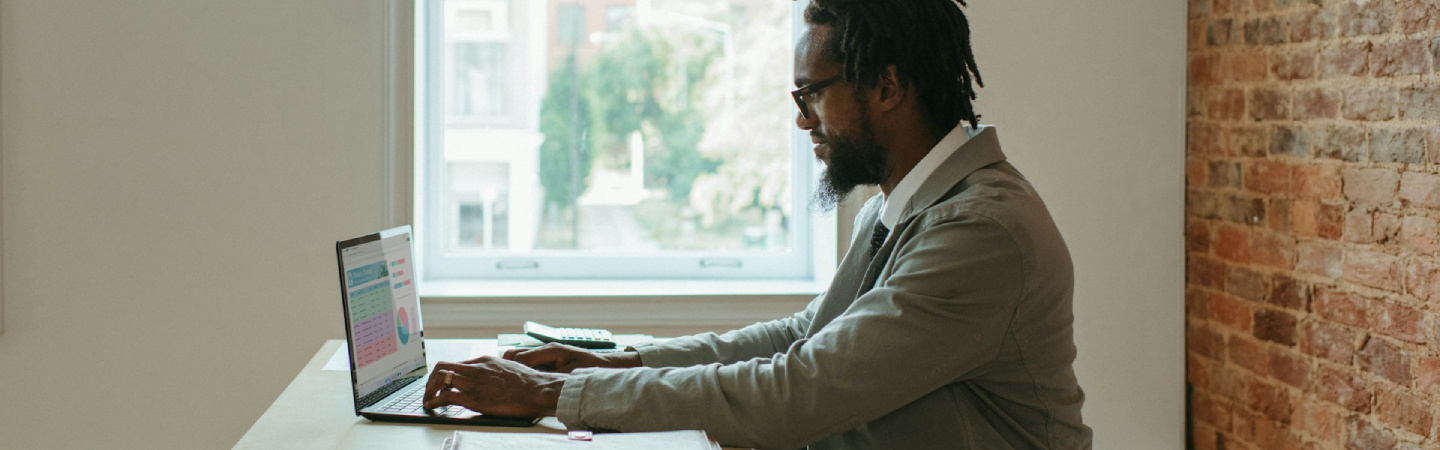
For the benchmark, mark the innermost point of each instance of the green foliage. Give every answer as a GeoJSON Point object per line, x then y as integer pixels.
{"type": "Point", "coordinates": [643, 83]}
{"type": "Point", "coordinates": [565, 123]}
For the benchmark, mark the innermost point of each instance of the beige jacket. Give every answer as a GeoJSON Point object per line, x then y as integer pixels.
{"type": "Point", "coordinates": [956, 335]}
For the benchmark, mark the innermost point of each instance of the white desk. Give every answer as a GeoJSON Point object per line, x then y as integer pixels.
{"type": "Point", "coordinates": [317, 410]}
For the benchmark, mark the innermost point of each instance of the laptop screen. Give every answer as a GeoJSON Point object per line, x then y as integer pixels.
{"type": "Point", "coordinates": [383, 314]}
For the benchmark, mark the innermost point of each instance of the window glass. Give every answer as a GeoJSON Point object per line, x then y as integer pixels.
{"type": "Point", "coordinates": [637, 129]}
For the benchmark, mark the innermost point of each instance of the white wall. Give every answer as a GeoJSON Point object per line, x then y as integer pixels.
{"type": "Point", "coordinates": [175, 175]}
{"type": "Point", "coordinates": [1089, 100]}
{"type": "Point", "coordinates": [174, 172]}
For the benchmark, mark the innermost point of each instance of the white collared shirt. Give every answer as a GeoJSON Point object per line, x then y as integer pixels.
{"type": "Point", "coordinates": [895, 202]}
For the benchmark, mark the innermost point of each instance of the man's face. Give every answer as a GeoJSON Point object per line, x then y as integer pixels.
{"type": "Point", "coordinates": [843, 137]}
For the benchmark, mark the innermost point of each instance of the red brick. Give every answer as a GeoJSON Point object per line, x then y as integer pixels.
{"type": "Point", "coordinates": [1205, 70]}
{"type": "Point", "coordinates": [1370, 104]}
{"type": "Point", "coordinates": [1328, 341]}
{"type": "Point", "coordinates": [1264, 433]}
{"type": "Point", "coordinates": [1399, 58]}
{"type": "Point", "coordinates": [1206, 437]}
{"type": "Point", "coordinates": [1223, 174]}
{"type": "Point", "coordinates": [1212, 411]}
{"type": "Point", "coordinates": [1226, 105]}
{"type": "Point", "coordinates": [1220, 33]}
{"type": "Point", "coordinates": [1275, 326]}
{"type": "Point", "coordinates": [1315, 181]}
{"type": "Point", "coordinates": [1386, 360]}
{"type": "Point", "coordinates": [1312, 25]}
{"type": "Point", "coordinates": [1385, 228]}
{"type": "Point", "coordinates": [1370, 18]}
{"type": "Point", "coordinates": [1277, 214]}
{"type": "Point", "coordinates": [1359, 226]}
{"type": "Point", "coordinates": [1196, 304]}
{"type": "Point", "coordinates": [1331, 221]}
{"type": "Point", "coordinates": [1249, 354]}
{"type": "Point", "coordinates": [1319, 258]}
{"type": "Point", "coordinates": [1422, 279]}
{"type": "Point", "coordinates": [1418, 233]}
{"type": "Point", "coordinates": [1432, 138]}
{"type": "Point", "coordinates": [1420, 190]}
{"type": "Point", "coordinates": [1304, 218]}
{"type": "Point", "coordinates": [1245, 67]}
{"type": "Point", "coordinates": [1427, 374]}
{"type": "Point", "coordinates": [1286, 292]}
{"type": "Point", "coordinates": [1246, 284]}
{"type": "Point", "coordinates": [1342, 143]}
{"type": "Point", "coordinates": [1204, 341]}
{"type": "Point", "coordinates": [1196, 369]}
{"type": "Point", "coordinates": [1374, 269]}
{"type": "Point", "coordinates": [1419, 15]}
{"type": "Point", "coordinates": [1292, 141]}
{"type": "Point", "coordinates": [1317, 420]}
{"type": "Point", "coordinates": [1203, 139]}
{"type": "Point", "coordinates": [1375, 186]}
{"type": "Point", "coordinates": [1288, 367]}
{"type": "Point", "coordinates": [1397, 145]}
{"type": "Point", "coordinates": [1403, 409]}
{"type": "Point", "coordinates": [1341, 307]}
{"type": "Point", "coordinates": [1272, 249]}
{"type": "Point", "coordinates": [1206, 272]}
{"type": "Point", "coordinates": [1247, 141]}
{"type": "Point", "coordinates": [1396, 321]}
{"type": "Point", "coordinates": [1317, 104]}
{"type": "Point", "coordinates": [1346, 390]}
{"type": "Point", "coordinates": [1299, 65]}
{"type": "Point", "coordinates": [1265, 31]}
{"type": "Point", "coordinates": [1269, 400]}
{"type": "Point", "coordinates": [1241, 210]}
{"type": "Point", "coordinates": [1269, 104]}
{"type": "Point", "coordinates": [1341, 60]}
{"type": "Point", "coordinates": [1230, 311]}
{"type": "Point", "coordinates": [1366, 436]}
{"type": "Point", "coordinates": [1197, 172]}
{"type": "Point", "coordinates": [1267, 177]}
{"type": "Point", "coordinates": [1233, 244]}
{"type": "Point", "coordinates": [1419, 102]}
{"type": "Point", "coordinates": [1197, 237]}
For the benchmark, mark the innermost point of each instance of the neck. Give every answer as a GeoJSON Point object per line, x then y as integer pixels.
{"type": "Point", "coordinates": [905, 155]}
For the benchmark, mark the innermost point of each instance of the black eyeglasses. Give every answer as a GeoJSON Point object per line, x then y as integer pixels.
{"type": "Point", "coordinates": [812, 88]}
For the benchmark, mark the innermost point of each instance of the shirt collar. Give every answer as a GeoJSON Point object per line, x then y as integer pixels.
{"type": "Point", "coordinates": [895, 202]}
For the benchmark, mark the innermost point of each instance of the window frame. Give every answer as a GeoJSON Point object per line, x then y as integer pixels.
{"type": "Point", "coordinates": [814, 241]}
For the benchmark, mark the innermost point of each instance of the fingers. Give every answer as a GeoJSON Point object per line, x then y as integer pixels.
{"type": "Point", "coordinates": [547, 357]}
{"type": "Point", "coordinates": [433, 384]}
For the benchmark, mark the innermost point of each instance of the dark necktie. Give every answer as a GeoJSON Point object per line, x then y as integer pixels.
{"type": "Point", "coordinates": [878, 238]}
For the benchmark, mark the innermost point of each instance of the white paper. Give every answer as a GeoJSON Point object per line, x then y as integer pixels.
{"type": "Point", "coordinates": [340, 361]}
{"type": "Point", "coordinates": [676, 440]}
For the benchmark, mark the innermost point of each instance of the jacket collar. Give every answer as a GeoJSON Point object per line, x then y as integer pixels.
{"type": "Point", "coordinates": [981, 150]}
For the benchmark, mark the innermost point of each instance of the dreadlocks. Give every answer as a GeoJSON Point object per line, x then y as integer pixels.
{"type": "Point", "coordinates": [928, 41]}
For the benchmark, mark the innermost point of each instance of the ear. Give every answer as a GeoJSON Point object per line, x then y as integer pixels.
{"type": "Point", "coordinates": [889, 90]}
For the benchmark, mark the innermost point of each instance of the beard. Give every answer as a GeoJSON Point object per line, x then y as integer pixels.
{"type": "Point", "coordinates": [854, 161]}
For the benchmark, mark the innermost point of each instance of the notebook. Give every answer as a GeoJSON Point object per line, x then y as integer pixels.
{"type": "Point", "coordinates": [384, 334]}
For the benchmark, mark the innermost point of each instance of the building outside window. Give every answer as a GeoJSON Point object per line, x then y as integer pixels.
{"type": "Point", "coordinates": [612, 139]}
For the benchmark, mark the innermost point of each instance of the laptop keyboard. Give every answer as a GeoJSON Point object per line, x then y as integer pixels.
{"type": "Point", "coordinates": [411, 402]}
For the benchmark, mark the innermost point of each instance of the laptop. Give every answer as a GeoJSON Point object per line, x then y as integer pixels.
{"type": "Point", "coordinates": [384, 334]}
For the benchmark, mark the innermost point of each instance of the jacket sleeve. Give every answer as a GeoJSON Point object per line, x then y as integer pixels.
{"type": "Point", "coordinates": [756, 340]}
{"type": "Point", "coordinates": [942, 313]}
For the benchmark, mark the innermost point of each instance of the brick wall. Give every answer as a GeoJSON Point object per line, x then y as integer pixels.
{"type": "Point", "coordinates": [1313, 194]}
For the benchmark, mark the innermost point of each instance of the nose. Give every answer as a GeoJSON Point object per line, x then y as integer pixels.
{"type": "Point", "coordinates": [802, 122]}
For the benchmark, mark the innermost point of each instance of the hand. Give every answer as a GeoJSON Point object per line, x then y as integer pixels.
{"type": "Point", "coordinates": [562, 358]}
{"type": "Point", "coordinates": [490, 385]}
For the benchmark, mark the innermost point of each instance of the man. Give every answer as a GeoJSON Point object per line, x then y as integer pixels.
{"type": "Point", "coordinates": [947, 325]}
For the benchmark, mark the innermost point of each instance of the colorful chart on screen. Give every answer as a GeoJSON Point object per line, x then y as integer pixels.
{"type": "Point", "coordinates": [403, 322]}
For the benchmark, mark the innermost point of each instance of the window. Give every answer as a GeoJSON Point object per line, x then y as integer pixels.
{"type": "Point", "coordinates": [612, 139]}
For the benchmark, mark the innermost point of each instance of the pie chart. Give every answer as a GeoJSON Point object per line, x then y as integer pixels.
{"type": "Point", "coordinates": [403, 322]}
